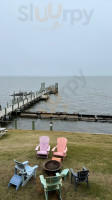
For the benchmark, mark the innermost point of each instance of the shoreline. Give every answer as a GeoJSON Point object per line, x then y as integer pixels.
{"type": "Point", "coordinates": [62, 131]}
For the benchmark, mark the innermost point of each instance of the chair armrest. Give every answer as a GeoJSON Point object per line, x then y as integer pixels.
{"type": "Point", "coordinates": [84, 168]}
{"type": "Point", "coordinates": [57, 174]}
{"type": "Point", "coordinates": [25, 162]}
{"type": "Point", "coordinates": [36, 166]}
{"type": "Point", "coordinates": [64, 172]}
{"type": "Point", "coordinates": [54, 148]}
{"type": "Point", "coordinates": [43, 181]}
{"type": "Point", "coordinates": [65, 150]}
{"type": "Point", "coordinates": [71, 170]}
{"type": "Point", "coordinates": [37, 148]}
{"type": "Point", "coordinates": [74, 174]}
{"type": "Point", "coordinates": [31, 169]}
{"type": "Point", "coordinates": [48, 148]}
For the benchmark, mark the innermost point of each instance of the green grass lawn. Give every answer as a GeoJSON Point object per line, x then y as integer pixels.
{"type": "Point", "coordinates": [89, 150]}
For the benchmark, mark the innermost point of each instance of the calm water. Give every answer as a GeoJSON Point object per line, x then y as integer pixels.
{"type": "Point", "coordinates": [92, 95]}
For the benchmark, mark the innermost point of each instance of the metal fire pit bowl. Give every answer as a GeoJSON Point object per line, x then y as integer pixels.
{"type": "Point", "coordinates": [52, 166]}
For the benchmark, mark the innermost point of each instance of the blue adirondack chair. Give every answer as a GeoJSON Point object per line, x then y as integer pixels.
{"type": "Point", "coordinates": [51, 183]}
{"type": "Point", "coordinates": [24, 175]}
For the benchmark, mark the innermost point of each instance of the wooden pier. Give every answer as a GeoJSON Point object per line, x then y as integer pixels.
{"type": "Point", "coordinates": [26, 102]}
{"type": "Point", "coordinates": [20, 105]}
{"type": "Point", "coordinates": [67, 116]}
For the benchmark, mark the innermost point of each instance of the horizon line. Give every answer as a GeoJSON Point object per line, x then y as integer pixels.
{"type": "Point", "coordinates": [56, 76]}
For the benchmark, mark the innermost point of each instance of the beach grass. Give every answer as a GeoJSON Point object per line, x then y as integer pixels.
{"type": "Point", "coordinates": [89, 150]}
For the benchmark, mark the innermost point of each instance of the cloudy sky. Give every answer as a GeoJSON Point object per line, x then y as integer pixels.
{"type": "Point", "coordinates": [55, 37]}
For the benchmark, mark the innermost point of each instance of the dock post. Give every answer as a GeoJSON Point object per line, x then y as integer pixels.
{"type": "Point", "coordinates": [56, 87]}
{"type": "Point", "coordinates": [16, 112]}
{"type": "Point", "coordinates": [96, 118]}
{"type": "Point", "coordinates": [9, 115]}
{"type": "Point", "coordinates": [12, 101]}
{"type": "Point", "coordinates": [5, 111]}
{"type": "Point", "coordinates": [0, 108]}
{"type": "Point", "coordinates": [14, 96]}
{"type": "Point", "coordinates": [7, 105]}
{"type": "Point", "coordinates": [15, 123]}
{"type": "Point", "coordinates": [51, 126]}
{"type": "Point", "coordinates": [12, 107]}
{"type": "Point", "coordinates": [42, 86]}
{"type": "Point", "coordinates": [33, 125]}
{"type": "Point", "coordinates": [31, 96]}
{"type": "Point", "coordinates": [18, 103]}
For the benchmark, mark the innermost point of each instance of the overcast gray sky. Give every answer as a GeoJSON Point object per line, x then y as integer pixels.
{"type": "Point", "coordinates": [37, 40]}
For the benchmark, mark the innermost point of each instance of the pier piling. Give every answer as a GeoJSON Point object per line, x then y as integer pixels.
{"type": "Point", "coordinates": [51, 126]}
{"type": "Point", "coordinates": [15, 123]}
{"type": "Point", "coordinates": [33, 125]}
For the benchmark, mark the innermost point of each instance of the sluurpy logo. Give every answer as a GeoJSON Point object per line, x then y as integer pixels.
{"type": "Point", "coordinates": [52, 16]}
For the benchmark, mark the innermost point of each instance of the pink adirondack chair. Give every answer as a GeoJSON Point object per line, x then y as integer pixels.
{"type": "Point", "coordinates": [61, 147]}
{"type": "Point", "coordinates": [44, 147]}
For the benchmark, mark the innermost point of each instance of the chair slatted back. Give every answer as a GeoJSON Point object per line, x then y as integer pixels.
{"type": "Point", "coordinates": [53, 180]}
{"type": "Point", "coordinates": [82, 175]}
{"type": "Point", "coordinates": [44, 143]}
{"type": "Point", "coordinates": [20, 165]}
{"type": "Point", "coordinates": [61, 144]}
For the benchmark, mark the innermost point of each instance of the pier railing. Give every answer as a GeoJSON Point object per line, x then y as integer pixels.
{"type": "Point", "coordinates": [21, 105]}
